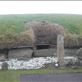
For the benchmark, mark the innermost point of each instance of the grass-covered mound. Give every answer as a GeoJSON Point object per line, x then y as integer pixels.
{"type": "Point", "coordinates": [13, 32]}
{"type": "Point", "coordinates": [15, 40]}
{"type": "Point", "coordinates": [15, 23]}
{"type": "Point", "coordinates": [45, 32]}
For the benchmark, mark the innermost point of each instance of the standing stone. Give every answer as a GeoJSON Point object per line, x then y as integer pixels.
{"type": "Point", "coordinates": [60, 49]}
{"type": "Point", "coordinates": [4, 66]}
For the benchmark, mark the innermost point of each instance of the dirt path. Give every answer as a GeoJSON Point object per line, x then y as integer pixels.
{"type": "Point", "coordinates": [70, 77]}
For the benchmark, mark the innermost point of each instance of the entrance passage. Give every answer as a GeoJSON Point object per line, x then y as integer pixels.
{"type": "Point", "coordinates": [43, 46]}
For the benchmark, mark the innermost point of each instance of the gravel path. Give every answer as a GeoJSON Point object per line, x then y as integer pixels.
{"type": "Point", "coordinates": [70, 77]}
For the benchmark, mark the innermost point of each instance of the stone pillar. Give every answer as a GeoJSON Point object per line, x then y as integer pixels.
{"type": "Point", "coordinates": [60, 49]}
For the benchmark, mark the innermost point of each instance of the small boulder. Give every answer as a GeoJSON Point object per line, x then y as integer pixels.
{"type": "Point", "coordinates": [4, 66]}
{"type": "Point", "coordinates": [2, 57]}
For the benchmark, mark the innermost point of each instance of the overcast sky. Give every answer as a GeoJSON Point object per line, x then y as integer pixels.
{"type": "Point", "coordinates": [42, 7]}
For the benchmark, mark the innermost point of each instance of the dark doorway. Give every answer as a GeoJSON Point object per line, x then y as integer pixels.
{"type": "Point", "coordinates": [43, 46]}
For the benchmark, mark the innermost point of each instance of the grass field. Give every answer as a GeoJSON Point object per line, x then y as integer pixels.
{"type": "Point", "coordinates": [14, 75]}
{"type": "Point", "coordinates": [11, 26]}
{"type": "Point", "coordinates": [15, 23]}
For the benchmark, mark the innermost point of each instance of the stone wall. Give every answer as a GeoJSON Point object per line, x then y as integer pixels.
{"type": "Point", "coordinates": [20, 53]}
{"type": "Point", "coordinates": [45, 52]}
{"type": "Point", "coordinates": [26, 53]}
{"type": "Point", "coordinates": [71, 52]}
{"type": "Point", "coordinates": [52, 52]}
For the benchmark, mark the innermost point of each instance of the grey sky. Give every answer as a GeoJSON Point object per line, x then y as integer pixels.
{"type": "Point", "coordinates": [43, 7]}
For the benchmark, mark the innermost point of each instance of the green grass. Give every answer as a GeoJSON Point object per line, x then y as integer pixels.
{"type": "Point", "coordinates": [12, 25]}
{"type": "Point", "coordinates": [14, 75]}
{"type": "Point", "coordinates": [15, 23]}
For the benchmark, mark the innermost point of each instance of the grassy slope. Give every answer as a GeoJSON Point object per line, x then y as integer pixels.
{"type": "Point", "coordinates": [15, 23]}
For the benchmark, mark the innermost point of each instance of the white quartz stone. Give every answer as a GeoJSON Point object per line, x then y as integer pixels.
{"type": "Point", "coordinates": [34, 63]}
